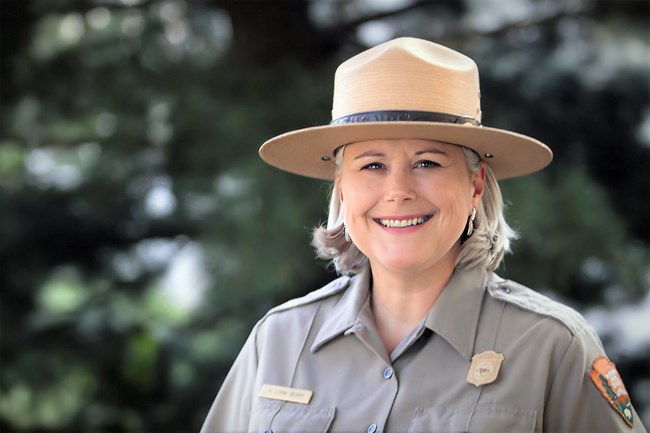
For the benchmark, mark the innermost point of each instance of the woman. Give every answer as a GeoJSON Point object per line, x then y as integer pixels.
{"type": "Point", "coordinates": [419, 334]}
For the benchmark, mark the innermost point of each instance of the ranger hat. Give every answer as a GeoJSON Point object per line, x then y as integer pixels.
{"type": "Point", "coordinates": [405, 88]}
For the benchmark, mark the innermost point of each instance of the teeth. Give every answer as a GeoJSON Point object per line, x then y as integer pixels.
{"type": "Point", "coordinates": [402, 223]}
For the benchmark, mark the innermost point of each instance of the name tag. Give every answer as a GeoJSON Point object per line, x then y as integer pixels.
{"type": "Point", "coordinates": [283, 393]}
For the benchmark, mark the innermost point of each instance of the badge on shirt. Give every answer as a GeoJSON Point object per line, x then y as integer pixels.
{"type": "Point", "coordinates": [484, 368]}
{"type": "Point", "coordinates": [293, 395]}
{"type": "Point", "coordinates": [604, 375]}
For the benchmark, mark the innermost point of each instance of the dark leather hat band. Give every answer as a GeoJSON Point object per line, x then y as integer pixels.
{"type": "Point", "coordinates": [404, 116]}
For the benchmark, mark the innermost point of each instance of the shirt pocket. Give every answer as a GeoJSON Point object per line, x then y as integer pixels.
{"type": "Point", "coordinates": [282, 417]}
{"type": "Point", "coordinates": [486, 418]}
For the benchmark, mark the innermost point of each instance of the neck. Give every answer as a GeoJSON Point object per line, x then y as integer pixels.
{"type": "Point", "coordinates": [401, 300]}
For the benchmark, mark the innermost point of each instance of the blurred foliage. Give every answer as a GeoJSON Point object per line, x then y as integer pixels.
{"type": "Point", "coordinates": [141, 236]}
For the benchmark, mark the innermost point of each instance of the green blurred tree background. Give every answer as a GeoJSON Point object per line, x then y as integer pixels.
{"type": "Point", "coordinates": [141, 236]}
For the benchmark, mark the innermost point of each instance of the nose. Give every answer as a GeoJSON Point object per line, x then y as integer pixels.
{"type": "Point", "coordinates": [399, 186]}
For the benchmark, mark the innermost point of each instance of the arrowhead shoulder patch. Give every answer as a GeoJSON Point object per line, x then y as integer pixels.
{"type": "Point", "coordinates": [606, 378]}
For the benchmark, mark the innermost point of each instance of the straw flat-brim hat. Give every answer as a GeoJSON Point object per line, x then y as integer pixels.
{"type": "Point", "coordinates": [406, 88]}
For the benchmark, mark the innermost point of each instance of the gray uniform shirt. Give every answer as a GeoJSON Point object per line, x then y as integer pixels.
{"type": "Point", "coordinates": [326, 342]}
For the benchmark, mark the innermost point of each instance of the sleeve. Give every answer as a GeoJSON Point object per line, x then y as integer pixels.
{"type": "Point", "coordinates": [578, 403]}
{"type": "Point", "coordinates": [231, 409]}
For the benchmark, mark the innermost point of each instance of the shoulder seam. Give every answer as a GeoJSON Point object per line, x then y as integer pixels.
{"type": "Point", "coordinates": [525, 298]}
{"type": "Point", "coordinates": [326, 291]}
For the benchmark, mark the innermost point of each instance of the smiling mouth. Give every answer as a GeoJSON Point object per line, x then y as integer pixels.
{"type": "Point", "coordinates": [403, 223]}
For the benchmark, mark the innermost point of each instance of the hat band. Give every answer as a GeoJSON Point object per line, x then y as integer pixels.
{"type": "Point", "coordinates": [404, 116]}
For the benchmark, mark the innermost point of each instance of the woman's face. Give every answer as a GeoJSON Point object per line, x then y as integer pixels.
{"type": "Point", "coordinates": [406, 202]}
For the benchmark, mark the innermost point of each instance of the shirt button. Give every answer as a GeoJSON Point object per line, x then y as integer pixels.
{"type": "Point", "coordinates": [268, 431]}
{"type": "Point", "coordinates": [504, 289]}
{"type": "Point", "coordinates": [388, 373]}
{"type": "Point", "coordinates": [372, 428]}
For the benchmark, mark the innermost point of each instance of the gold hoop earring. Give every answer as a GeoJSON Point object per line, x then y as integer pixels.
{"type": "Point", "coordinates": [470, 223]}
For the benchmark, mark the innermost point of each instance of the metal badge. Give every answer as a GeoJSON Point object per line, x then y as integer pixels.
{"type": "Point", "coordinates": [484, 368]}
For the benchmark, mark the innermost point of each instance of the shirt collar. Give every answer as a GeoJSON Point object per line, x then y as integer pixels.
{"type": "Point", "coordinates": [462, 297]}
{"type": "Point", "coordinates": [345, 315]}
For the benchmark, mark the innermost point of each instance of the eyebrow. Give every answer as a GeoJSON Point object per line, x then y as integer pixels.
{"type": "Point", "coordinates": [435, 151]}
{"type": "Point", "coordinates": [370, 153]}
{"type": "Point", "coordinates": [375, 154]}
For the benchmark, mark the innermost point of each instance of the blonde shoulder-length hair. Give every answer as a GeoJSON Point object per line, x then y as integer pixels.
{"type": "Point", "coordinates": [485, 248]}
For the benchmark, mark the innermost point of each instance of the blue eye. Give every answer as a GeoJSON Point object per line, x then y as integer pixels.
{"type": "Point", "coordinates": [427, 164]}
{"type": "Point", "coordinates": [373, 166]}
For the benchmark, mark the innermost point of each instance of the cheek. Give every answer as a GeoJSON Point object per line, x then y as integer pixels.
{"type": "Point", "coordinates": [353, 207]}
{"type": "Point", "coordinates": [460, 190]}
{"type": "Point", "coordinates": [459, 198]}
{"type": "Point", "coordinates": [355, 198]}
{"type": "Point", "coordinates": [455, 204]}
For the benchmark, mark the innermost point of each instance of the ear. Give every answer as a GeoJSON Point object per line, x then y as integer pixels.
{"type": "Point", "coordinates": [478, 183]}
{"type": "Point", "coordinates": [338, 187]}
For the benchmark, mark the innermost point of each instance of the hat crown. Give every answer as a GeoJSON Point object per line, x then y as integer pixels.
{"type": "Point", "coordinates": [407, 74]}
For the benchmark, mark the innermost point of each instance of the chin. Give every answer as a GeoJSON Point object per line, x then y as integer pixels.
{"type": "Point", "coordinates": [401, 264]}
{"type": "Point", "coordinates": [404, 260]}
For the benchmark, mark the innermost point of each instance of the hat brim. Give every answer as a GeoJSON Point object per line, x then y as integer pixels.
{"type": "Point", "coordinates": [309, 152]}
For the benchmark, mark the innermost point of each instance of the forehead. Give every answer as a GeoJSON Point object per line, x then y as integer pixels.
{"type": "Point", "coordinates": [408, 146]}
